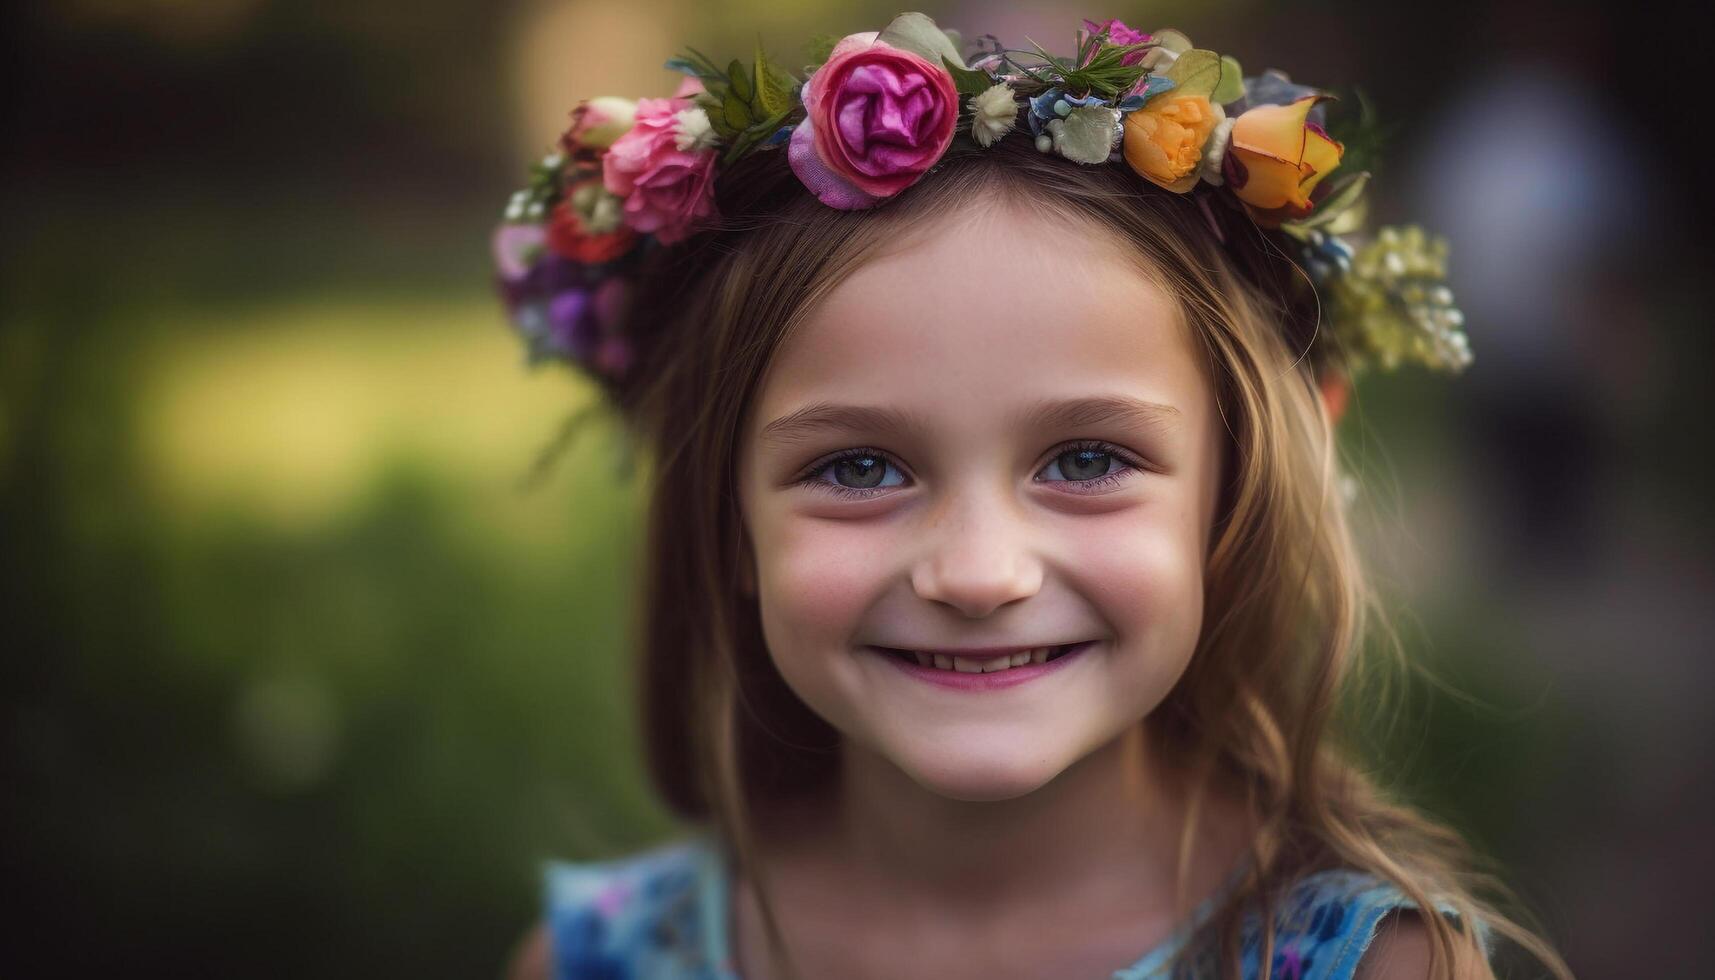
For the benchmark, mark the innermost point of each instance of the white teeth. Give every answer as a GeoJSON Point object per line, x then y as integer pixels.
{"type": "Point", "coordinates": [983, 665]}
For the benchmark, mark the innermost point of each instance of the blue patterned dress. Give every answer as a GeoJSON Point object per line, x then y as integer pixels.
{"type": "Point", "coordinates": [661, 914]}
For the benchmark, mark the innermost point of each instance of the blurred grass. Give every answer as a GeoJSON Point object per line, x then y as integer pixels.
{"type": "Point", "coordinates": [303, 682]}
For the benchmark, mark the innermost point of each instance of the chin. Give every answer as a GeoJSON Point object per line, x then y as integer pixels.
{"type": "Point", "coordinates": [981, 779]}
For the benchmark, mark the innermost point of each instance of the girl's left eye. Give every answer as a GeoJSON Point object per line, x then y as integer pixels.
{"type": "Point", "coordinates": [1088, 466]}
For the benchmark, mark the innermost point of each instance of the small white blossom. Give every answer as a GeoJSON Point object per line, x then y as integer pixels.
{"type": "Point", "coordinates": [692, 132]}
{"type": "Point", "coordinates": [993, 113]}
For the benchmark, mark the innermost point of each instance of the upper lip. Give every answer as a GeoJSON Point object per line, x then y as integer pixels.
{"type": "Point", "coordinates": [979, 653]}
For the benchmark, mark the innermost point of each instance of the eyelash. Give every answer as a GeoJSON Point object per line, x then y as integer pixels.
{"type": "Point", "coordinates": [808, 477]}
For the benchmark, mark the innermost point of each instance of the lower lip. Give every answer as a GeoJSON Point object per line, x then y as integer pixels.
{"type": "Point", "coordinates": [959, 680]}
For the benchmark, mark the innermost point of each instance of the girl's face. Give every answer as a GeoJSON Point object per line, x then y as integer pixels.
{"type": "Point", "coordinates": [997, 436]}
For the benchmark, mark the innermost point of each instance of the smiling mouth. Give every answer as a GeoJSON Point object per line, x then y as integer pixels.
{"type": "Point", "coordinates": [981, 665]}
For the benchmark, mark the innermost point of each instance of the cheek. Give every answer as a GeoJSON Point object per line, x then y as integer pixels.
{"type": "Point", "coordinates": [1143, 567]}
{"type": "Point", "coordinates": [816, 579]}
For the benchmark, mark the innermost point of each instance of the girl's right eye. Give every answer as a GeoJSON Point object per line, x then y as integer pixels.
{"type": "Point", "coordinates": [856, 474]}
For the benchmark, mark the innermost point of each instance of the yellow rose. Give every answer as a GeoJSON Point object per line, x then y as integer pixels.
{"type": "Point", "coordinates": [1164, 140]}
{"type": "Point", "coordinates": [1277, 158]}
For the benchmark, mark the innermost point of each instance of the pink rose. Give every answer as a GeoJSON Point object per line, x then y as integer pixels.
{"type": "Point", "coordinates": [667, 190]}
{"type": "Point", "coordinates": [876, 118]}
{"type": "Point", "coordinates": [1121, 35]}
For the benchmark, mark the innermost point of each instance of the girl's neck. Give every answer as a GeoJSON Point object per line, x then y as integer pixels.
{"type": "Point", "coordinates": [1106, 830]}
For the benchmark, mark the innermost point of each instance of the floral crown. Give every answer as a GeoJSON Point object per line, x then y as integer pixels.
{"type": "Point", "coordinates": [877, 111]}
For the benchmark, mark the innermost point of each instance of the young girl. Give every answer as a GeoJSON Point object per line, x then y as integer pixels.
{"type": "Point", "coordinates": [1000, 591]}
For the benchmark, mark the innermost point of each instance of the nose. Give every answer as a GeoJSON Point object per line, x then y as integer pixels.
{"type": "Point", "coordinates": [977, 558]}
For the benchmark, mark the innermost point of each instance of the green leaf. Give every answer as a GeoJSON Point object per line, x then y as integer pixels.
{"type": "Point", "coordinates": [739, 80]}
{"type": "Point", "coordinates": [766, 99]}
{"type": "Point", "coordinates": [1363, 138]}
{"type": "Point", "coordinates": [820, 47]}
{"type": "Point", "coordinates": [1196, 72]}
{"type": "Point", "coordinates": [1103, 73]}
{"type": "Point", "coordinates": [1349, 220]}
{"type": "Point", "coordinates": [1087, 44]}
{"type": "Point", "coordinates": [751, 136]}
{"type": "Point", "coordinates": [969, 81]}
{"type": "Point", "coordinates": [1341, 203]}
{"type": "Point", "coordinates": [773, 86]}
{"type": "Point", "coordinates": [716, 108]}
{"type": "Point", "coordinates": [708, 64]}
{"type": "Point", "coordinates": [1344, 196]}
{"type": "Point", "coordinates": [736, 113]}
{"type": "Point", "coordinates": [1232, 86]}
{"type": "Point", "coordinates": [918, 34]}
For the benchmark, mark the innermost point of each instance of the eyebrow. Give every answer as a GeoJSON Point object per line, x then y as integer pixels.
{"type": "Point", "coordinates": [1047, 414]}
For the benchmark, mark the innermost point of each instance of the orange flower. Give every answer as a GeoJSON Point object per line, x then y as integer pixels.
{"type": "Point", "coordinates": [1277, 158]}
{"type": "Point", "coordinates": [1164, 140]}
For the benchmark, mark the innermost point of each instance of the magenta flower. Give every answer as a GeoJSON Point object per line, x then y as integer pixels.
{"type": "Point", "coordinates": [877, 118]}
{"type": "Point", "coordinates": [667, 191]}
{"type": "Point", "coordinates": [1121, 35]}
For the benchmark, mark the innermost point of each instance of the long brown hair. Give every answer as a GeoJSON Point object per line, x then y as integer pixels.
{"type": "Point", "coordinates": [1257, 713]}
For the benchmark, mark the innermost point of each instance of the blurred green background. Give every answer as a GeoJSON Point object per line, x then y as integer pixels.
{"type": "Point", "coordinates": [300, 678]}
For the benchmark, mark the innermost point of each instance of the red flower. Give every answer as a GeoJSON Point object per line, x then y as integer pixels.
{"type": "Point", "coordinates": [567, 236]}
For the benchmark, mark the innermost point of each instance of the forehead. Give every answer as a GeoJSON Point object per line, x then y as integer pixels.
{"type": "Point", "coordinates": [974, 316]}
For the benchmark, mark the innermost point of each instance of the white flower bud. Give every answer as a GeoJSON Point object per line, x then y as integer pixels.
{"type": "Point", "coordinates": [994, 112]}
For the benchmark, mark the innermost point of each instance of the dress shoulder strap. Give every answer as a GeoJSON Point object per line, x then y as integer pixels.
{"type": "Point", "coordinates": [1329, 920]}
{"type": "Point", "coordinates": [641, 915]}
{"type": "Point", "coordinates": [1322, 926]}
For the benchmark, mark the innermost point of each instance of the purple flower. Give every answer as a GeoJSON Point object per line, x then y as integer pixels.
{"type": "Point", "coordinates": [570, 311]}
